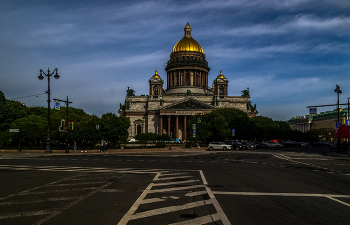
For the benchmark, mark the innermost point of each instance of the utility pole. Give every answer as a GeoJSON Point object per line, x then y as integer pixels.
{"type": "Point", "coordinates": [67, 104]}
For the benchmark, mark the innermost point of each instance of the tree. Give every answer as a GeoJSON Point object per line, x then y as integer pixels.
{"type": "Point", "coordinates": [10, 111]}
{"type": "Point", "coordinates": [32, 128]}
{"type": "Point", "coordinates": [238, 120]}
{"type": "Point", "coordinates": [266, 128]}
{"type": "Point", "coordinates": [113, 127]}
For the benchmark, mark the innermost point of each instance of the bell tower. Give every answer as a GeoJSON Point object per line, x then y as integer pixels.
{"type": "Point", "coordinates": [221, 85]}
{"type": "Point", "coordinates": [156, 85]}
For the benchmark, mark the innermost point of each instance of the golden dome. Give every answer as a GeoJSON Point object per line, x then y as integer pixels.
{"type": "Point", "coordinates": [155, 75]}
{"type": "Point", "coordinates": [187, 43]}
{"type": "Point", "coordinates": [221, 76]}
{"type": "Point", "coordinates": [212, 88]}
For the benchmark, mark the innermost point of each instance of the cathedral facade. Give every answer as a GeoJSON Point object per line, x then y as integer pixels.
{"type": "Point", "coordinates": [187, 93]}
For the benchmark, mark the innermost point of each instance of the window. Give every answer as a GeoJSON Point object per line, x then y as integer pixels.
{"type": "Point", "coordinates": [139, 131]}
{"type": "Point", "coordinates": [155, 90]}
{"type": "Point", "coordinates": [221, 90]}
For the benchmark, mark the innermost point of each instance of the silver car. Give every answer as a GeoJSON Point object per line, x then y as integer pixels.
{"type": "Point", "coordinates": [271, 144]}
{"type": "Point", "coordinates": [219, 146]}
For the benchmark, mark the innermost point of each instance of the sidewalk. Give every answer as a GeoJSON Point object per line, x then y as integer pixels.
{"type": "Point", "coordinates": [174, 149]}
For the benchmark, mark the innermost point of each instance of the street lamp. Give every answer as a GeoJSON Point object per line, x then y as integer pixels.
{"type": "Point", "coordinates": [338, 91]}
{"type": "Point", "coordinates": [41, 77]}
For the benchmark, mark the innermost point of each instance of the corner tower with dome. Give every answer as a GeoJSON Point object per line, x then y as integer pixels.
{"type": "Point", "coordinates": [187, 94]}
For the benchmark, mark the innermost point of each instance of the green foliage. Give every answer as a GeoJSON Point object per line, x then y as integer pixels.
{"type": "Point", "coordinates": [112, 127]}
{"type": "Point", "coordinates": [10, 111]}
{"type": "Point", "coordinates": [32, 127]}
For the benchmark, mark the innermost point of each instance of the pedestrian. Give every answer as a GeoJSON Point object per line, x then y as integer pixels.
{"type": "Point", "coordinates": [102, 144]}
{"type": "Point", "coordinates": [105, 146]}
{"type": "Point", "coordinates": [84, 146]}
{"type": "Point", "coordinates": [75, 146]}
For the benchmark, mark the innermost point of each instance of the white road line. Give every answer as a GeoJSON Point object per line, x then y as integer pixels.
{"type": "Point", "coordinates": [171, 174]}
{"type": "Point", "coordinates": [23, 214]}
{"type": "Point", "coordinates": [280, 194]}
{"type": "Point", "coordinates": [156, 177]}
{"type": "Point", "coordinates": [176, 189]}
{"type": "Point", "coordinates": [72, 184]}
{"type": "Point", "coordinates": [111, 190]}
{"type": "Point", "coordinates": [55, 213]}
{"type": "Point", "coordinates": [191, 194]}
{"type": "Point", "coordinates": [176, 182]}
{"type": "Point", "coordinates": [218, 208]}
{"type": "Point", "coordinates": [57, 191]}
{"type": "Point", "coordinates": [27, 191]}
{"type": "Point", "coordinates": [337, 200]}
{"type": "Point", "coordinates": [134, 207]}
{"type": "Point", "coordinates": [169, 209]}
{"type": "Point", "coordinates": [203, 178]}
{"type": "Point", "coordinates": [39, 200]}
{"type": "Point", "coordinates": [151, 200]}
{"type": "Point", "coordinates": [172, 178]}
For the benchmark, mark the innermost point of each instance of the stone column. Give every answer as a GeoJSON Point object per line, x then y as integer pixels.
{"type": "Point", "coordinates": [177, 127]}
{"type": "Point", "coordinates": [161, 125]}
{"type": "Point", "coordinates": [169, 126]}
{"type": "Point", "coordinates": [184, 131]}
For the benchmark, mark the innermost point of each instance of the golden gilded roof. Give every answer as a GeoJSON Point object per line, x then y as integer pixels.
{"type": "Point", "coordinates": [220, 75]}
{"type": "Point", "coordinates": [187, 43]}
{"type": "Point", "coordinates": [156, 75]}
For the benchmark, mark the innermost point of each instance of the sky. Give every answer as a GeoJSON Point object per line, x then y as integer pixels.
{"type": "Point", "coordinates": [290, 53]}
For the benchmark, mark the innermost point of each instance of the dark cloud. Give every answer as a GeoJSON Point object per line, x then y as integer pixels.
{"type": "Point", "coordinates": [290, 53]}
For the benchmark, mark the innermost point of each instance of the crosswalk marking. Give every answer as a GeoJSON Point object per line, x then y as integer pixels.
{"type": "Point", "coordinates": [171, 209]}
{"type": "Point", "coordinates": [185, 185]}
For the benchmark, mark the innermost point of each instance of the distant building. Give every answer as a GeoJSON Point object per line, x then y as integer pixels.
{"type": "Point", "coordinates": [187, 94]}
{"type": "Point", "coordinates": [323, 122]}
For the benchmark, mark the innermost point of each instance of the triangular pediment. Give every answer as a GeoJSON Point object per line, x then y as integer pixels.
{"type": "Point", "coordinates": [189, 104]}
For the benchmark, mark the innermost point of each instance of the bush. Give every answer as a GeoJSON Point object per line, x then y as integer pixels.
{"type": "Point", "coordinates": [160, 145]}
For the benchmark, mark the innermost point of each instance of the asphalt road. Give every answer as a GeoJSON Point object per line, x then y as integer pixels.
{"type": "Point", "coordinates": [285, 186]}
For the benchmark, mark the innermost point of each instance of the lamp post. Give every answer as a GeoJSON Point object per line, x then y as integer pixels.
{"type": "Point", "coordinates": [338, 91]}
{"type": "Point", "coordinates": [41, 77]}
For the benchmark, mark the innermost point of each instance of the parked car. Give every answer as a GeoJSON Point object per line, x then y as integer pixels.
{"type": "Point", "coordinates": [262, 145]}
{"type": "Point", "coordinates": [219, 146]}
{"type": "Point", "coordinates": [248, 145]}
{"type": "Point", "coordinates": [290, 143]}
{"type": "Point", "coordinates": [235, 145]}
{"type": "Point", "coordinates": [271, 144]}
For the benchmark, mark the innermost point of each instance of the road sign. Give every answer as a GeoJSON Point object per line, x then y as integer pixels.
{"type": "Point", "coordinates": [194, 131]}
{"type": "Point", "coordinates": [194, 126]}
{"type": "Point", "coordinates": [337, 125]}
{"type": "Point", "coordinates": [312, 111]}
{"type": "Point", "coordinates": [199, 120]}
{"type": "Point", "coordinates": [14, 130]}
{"type": "Point", "coordinates": [57, 105]}
{"type": "Point", "coordinates": [347, 122]}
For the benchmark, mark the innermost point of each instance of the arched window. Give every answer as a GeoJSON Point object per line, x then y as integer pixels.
{"type": "Point", "coordinates": [221, 90]}
{"type": "Point", "coordinates": [155, 90]}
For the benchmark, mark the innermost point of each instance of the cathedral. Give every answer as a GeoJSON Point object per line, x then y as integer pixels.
{"type": "Point", "coordinates": [187, 93]}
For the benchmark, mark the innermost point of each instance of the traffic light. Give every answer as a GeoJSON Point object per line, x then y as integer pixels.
{"type": "Point", "coordinates": [200, 118]}
{"type": "Point", "coordinates": [70, 125]}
